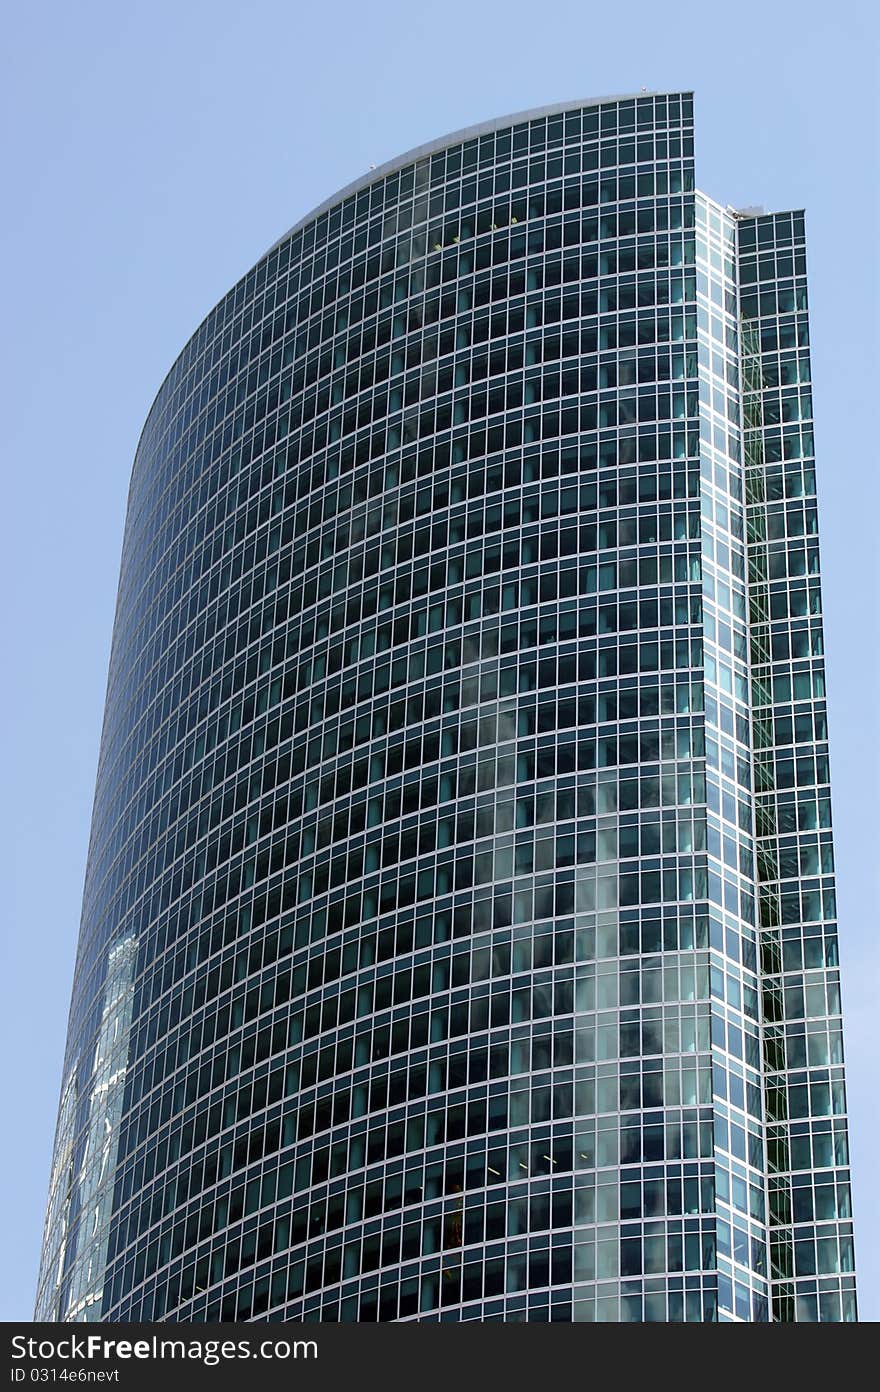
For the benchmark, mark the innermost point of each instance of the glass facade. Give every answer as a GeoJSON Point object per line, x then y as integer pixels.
{"type": "Point", "coordinates": [458, 934]}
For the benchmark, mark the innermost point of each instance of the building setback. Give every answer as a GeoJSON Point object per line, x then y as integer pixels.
{"type": "Point", "coordinates": [458, 935]}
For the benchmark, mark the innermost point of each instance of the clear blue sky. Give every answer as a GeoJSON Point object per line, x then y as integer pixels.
{"type": "Point", "coordinates": [152, 152]}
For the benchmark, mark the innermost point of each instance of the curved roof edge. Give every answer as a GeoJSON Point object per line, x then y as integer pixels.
{"type": "Point", "coordinates": [381, 171]}
{"type": "Point", "coordinates": [457, 137]}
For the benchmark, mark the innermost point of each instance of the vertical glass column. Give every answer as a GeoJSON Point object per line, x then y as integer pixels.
{"type": "Point", "coordinates": [808, 1176]}
{"type": "Point", "coordinates": [736, 1053]}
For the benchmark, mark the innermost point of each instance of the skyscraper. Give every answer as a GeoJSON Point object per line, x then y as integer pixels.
{"type": "Point", "coordinates": [458, 935]}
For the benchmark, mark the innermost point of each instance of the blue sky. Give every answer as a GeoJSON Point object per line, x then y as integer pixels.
{"type": "Point", "coordinates": [152, 152]}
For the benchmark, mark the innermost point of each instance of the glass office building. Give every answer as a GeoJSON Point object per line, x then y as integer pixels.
{"type": "Point", "coordinates": [459, 938]}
